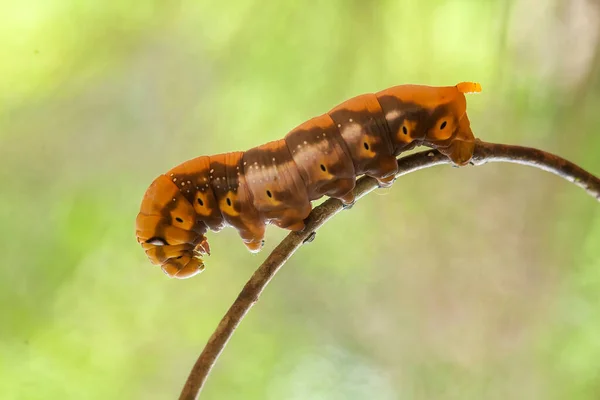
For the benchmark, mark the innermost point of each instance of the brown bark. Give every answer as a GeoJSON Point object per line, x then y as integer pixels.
{"type": "Point", "coordinates": [484, 153]}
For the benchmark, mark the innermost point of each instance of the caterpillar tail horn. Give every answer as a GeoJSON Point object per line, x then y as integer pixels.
{"type": "Point", "coordinates": [469, 87]}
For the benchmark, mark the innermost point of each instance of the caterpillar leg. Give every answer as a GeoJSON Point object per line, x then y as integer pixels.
{"type": "Point", "coordinates": [342, 189]}
{"type": "Point", "coordinates": [295, 226]}
{"type": "Point", "coordinates": [203, 247]}
{"type": "Point", "coordinates": [385, 170]}
{"type": "Point", "coordinates": [293, 218]}
{"type": "Point", "coordinates": [460, 152]}
{"type": "Point", "coordinates": [254, 245]}
{"type": "Point", "coordinates": [386, 182]}
{"type": "Point", "coordinates": [348, 199]}
{"type": "Point", "coordinates": [253, 238]}
{"type": "Point", "coordinates": [462, 146]}
{"type": "Point", "coordinates": [347, 206]}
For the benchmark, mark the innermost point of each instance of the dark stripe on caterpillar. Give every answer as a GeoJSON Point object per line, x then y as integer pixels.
{"type": "Point", "coordinates": [274, 183]}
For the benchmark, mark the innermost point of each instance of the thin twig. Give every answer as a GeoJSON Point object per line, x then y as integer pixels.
{"type": "Point", "coordinates": [484, 152]}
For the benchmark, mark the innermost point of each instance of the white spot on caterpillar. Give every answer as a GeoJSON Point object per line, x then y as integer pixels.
{"type": "Point", "coordinates": [263, 166]}
{"type": "Point", "coordinates": [245, 163]}
{"type": "Point", "coordinates": [350, 120]}
{"type": "Point", "coordinates": [255, 162]}
{"type": "Point", "coordinates": [305, 142]}
{"type": "Point", "coordinates": [207, 185]}
{"type": "Point", "coordinates": [324, 134]}
{"type": "Point", "coordinates": [238, 167]}
{"type": "Point", "coordinates": [299, 146]}
{"type": "Point", "coordinates": [188, 190]}
{"type": "Point", "coordinates": [156, 242]}
{"type": "Point", "coordinates": [392, 115]}
{"type": "Point", "coordinates": [182, 183]}
{"type": "Point", "coordinates": [354, 131]}
{"type": "Point", "coordinates": [211, 171]}
{"type": "Point", "coordinates": [218, 178]}
{"type": "Point", "coordinates": [174, 200]}
{"type": "Point", "coordinates": [171, 175]}
{"type": "Point", "coordinates": [339, 125]}
{"type": "Point", "coordinates": [174, 179]}
{"type": "Point", "coordinates": [273, 159]}
{"type": "Point", "coordinates": [430, 154]}
{"type": "Point", "coordinates": [189, 182]}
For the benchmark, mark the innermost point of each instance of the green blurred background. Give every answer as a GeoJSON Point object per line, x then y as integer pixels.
{"type": "Point", "coordinates": [474, 283]}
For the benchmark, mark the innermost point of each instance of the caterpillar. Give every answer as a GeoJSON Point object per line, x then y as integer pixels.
{"type": "Point", "coordinates": [275, 183]}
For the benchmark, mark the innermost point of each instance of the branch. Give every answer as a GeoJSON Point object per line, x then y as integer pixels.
{"type": "Point", "coordinates": [484, 152]}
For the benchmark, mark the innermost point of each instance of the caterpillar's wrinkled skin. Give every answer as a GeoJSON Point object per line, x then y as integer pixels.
{"type": "Point", "coordinates": [276, 182]}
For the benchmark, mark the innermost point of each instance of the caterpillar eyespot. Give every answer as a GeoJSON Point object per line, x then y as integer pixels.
{"type": "Point", "coordinates": [377, 122]}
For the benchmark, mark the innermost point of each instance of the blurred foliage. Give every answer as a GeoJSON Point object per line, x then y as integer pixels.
{"type": "Point", "coordinates": [454, 284]}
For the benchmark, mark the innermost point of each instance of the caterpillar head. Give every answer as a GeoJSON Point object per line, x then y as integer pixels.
{"type": "Point", "coordinates": [169, 231]}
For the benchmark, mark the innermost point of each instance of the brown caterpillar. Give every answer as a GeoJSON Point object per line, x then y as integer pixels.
{"type": "Point", "coordinates": [276, 182]}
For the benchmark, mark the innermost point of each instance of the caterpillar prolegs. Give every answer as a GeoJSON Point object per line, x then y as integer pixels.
{"type": "Point", "coordinates": [276, 182]}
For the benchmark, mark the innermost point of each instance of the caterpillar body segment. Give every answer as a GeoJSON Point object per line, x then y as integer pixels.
{"type": "Point", "coordinates": [275, 183]}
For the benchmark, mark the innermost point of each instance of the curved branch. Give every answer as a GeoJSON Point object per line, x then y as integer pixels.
{"type": "Point", "coordinates": [484, 152]}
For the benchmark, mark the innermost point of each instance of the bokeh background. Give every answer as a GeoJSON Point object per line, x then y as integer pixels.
{"type": "Point", "coordinates": [473, 283]}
